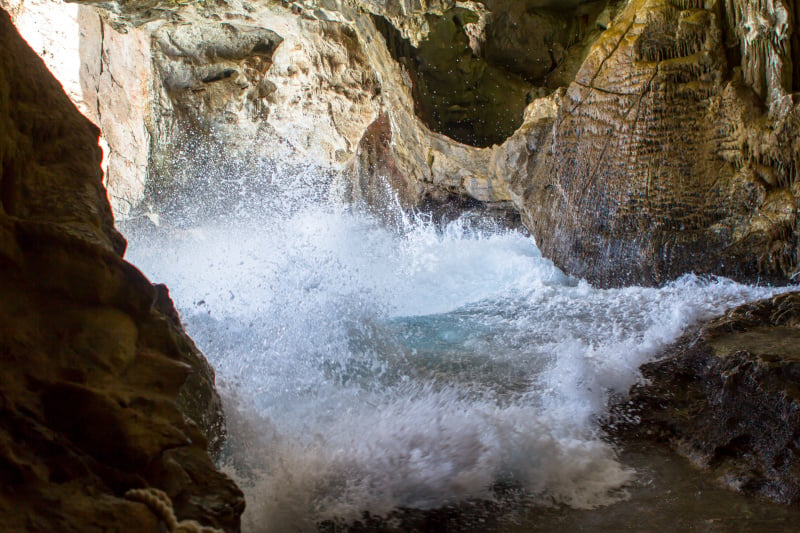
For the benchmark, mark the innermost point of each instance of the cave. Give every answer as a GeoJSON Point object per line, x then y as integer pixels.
{"type": "Point", "coordinates": [357, 334]}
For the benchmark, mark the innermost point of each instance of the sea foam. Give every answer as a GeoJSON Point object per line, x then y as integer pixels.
{"type": "Point", "coordinates": [370, 367]}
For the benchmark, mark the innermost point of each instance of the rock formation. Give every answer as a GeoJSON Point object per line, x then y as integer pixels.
{"type": "Point", "coordinates": [107, 74]}
{"type": "Point", "coordinates": [263, 87]}
{"type": "Point", "coordinates": [95, 362]}
{"type": "Point", "coordinates": [663, 158]}
{"type": "Point", "coordinates": [726, 397]}
{"type": "Point", "coordinates": [639, 140]}
{"type": "Point", "coordinates": [672, 149]}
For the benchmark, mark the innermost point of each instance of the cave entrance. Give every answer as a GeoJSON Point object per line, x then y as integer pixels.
{"type": "Point", "coordinates": [473, 75]}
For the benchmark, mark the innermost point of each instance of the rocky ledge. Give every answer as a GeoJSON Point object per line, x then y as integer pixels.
{"type": "Point", "coordinates": [727, 397]}
{"type": "Point", "coordinates": [107, 409]}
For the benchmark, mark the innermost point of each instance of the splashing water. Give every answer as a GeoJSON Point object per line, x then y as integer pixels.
{"type": "Point", "coordinates": [369, 369]}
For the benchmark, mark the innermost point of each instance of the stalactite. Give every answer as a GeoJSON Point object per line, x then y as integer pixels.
{"type": "Point", "coordinates": [764, 28]}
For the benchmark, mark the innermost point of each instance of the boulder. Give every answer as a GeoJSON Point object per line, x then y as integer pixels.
{"type": "Point", "coordinates": [727, 398]}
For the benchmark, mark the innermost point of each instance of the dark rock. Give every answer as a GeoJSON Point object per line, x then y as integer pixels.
{"type": "Point", "coordinates": [456, 92]}
{"type": "Point", "coordinates": [95, 362]}
{"type": "Point", "coordinates": [727, 397]}
{"type": "Point", "coordinates": [198, 399]}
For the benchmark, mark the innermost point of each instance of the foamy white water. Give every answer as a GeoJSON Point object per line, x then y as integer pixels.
{"type": "Point", "coordinates": [370, 368]}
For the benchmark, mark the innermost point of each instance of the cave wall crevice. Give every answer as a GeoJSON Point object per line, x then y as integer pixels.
{"type": "Point", "coordinates": [476, 70]}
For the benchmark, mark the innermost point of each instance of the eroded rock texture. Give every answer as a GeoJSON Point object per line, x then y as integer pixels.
{"type": "Point", "coordinates": [727, 398]}
{"type": "Point", "coordinates": [248, 84]}
{"type": "Point", "coordinates": [94, 360]}
{"type": "Point", "coordinates": [663, 158]}
{"type": "Point", "coordinates": [321, 90]}
{"type": "Point", "coordinates": [673, 149]}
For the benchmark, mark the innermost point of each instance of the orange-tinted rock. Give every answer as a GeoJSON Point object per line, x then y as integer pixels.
{"type": "Point", "coordinates": [663, 161]}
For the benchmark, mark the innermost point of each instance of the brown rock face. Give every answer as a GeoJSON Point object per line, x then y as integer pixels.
{"type": "Point", "coordinates": [663, 160]}
{"type": "Point", "coordinates": [377, 173]}
{"type": "Point", "coordinates": [94, 361]}
{"type": "Point", "coordinates": [727, 398]}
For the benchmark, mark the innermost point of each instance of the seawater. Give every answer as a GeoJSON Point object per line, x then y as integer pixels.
{"type": "Point", "coordinates": [368, 367]}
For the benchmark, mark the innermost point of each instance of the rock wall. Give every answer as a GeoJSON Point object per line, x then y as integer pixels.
{"type": "Point", "coordinates": [95, 363]}
{"type": "Point", "coordinates": [116, 77]}
{"type": "Point", "coordinates": [320, 91]}
{"type": "Point", "coordinates": [672, 149]}
{"type": "Point", "coordinates": [639, 140]}
{"type": "Point", "coordinates": [264, 86]}
{"type": "Point", "coordinates": [665, 157]}
{"type": "Point", "coordinates": [304, 95]}
{"type": "Point", "coordinates": [107, 75]}
{"type": "Point", "coordinates": [271, 85]}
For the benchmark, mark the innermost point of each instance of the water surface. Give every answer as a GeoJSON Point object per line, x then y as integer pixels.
{"type": "Point", "coordinates": [369, 367]}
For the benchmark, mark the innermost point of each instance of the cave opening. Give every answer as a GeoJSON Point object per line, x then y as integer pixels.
{"type": "Point", "coordinates": [474, 73]}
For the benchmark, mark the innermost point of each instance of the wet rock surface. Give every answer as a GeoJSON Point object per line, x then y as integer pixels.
{"type": "Point", "coordinates": [95, 362]}
{"type": "Point", "coordinates": [726, 397]}
{"type": "Point", "coordinates": [674, 149]}
{"type": "Point", "coordinates": [271, 85]}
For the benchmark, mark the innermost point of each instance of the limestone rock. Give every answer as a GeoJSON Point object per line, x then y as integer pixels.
{"type": "Point", "coordinates": [378, 177]}
{"type": "Point", "coordinates": [296, 85]}
{"type": "Point", "coordinates": [726, 397]}
{"type": "Point", "coordinates": [673, 149]}
{"type": "Point", "coordinates": [261, 87]}
{"type": "Point", "coordinates": [107, 76]}
{"type": "Point", "coordinates": [116, 77]}
{"type": "Point", "coordinates": [659, 161]}
{"type": "Point", "coordinates": [762, 29]}
{"type": "Point", "coordinates": [326, 90]}
{"type": "Point", "coordinates": [92, 366]}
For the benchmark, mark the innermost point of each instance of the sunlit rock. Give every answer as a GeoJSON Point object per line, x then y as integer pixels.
{"type": "Point", "coordinates": [672, 150]}
{"type": "Point", "coordinates": [107, 74]}
{"type": "Point", "coordinates": [301, 91]}
{"type": "Point", "coordinates": [662, 159]}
